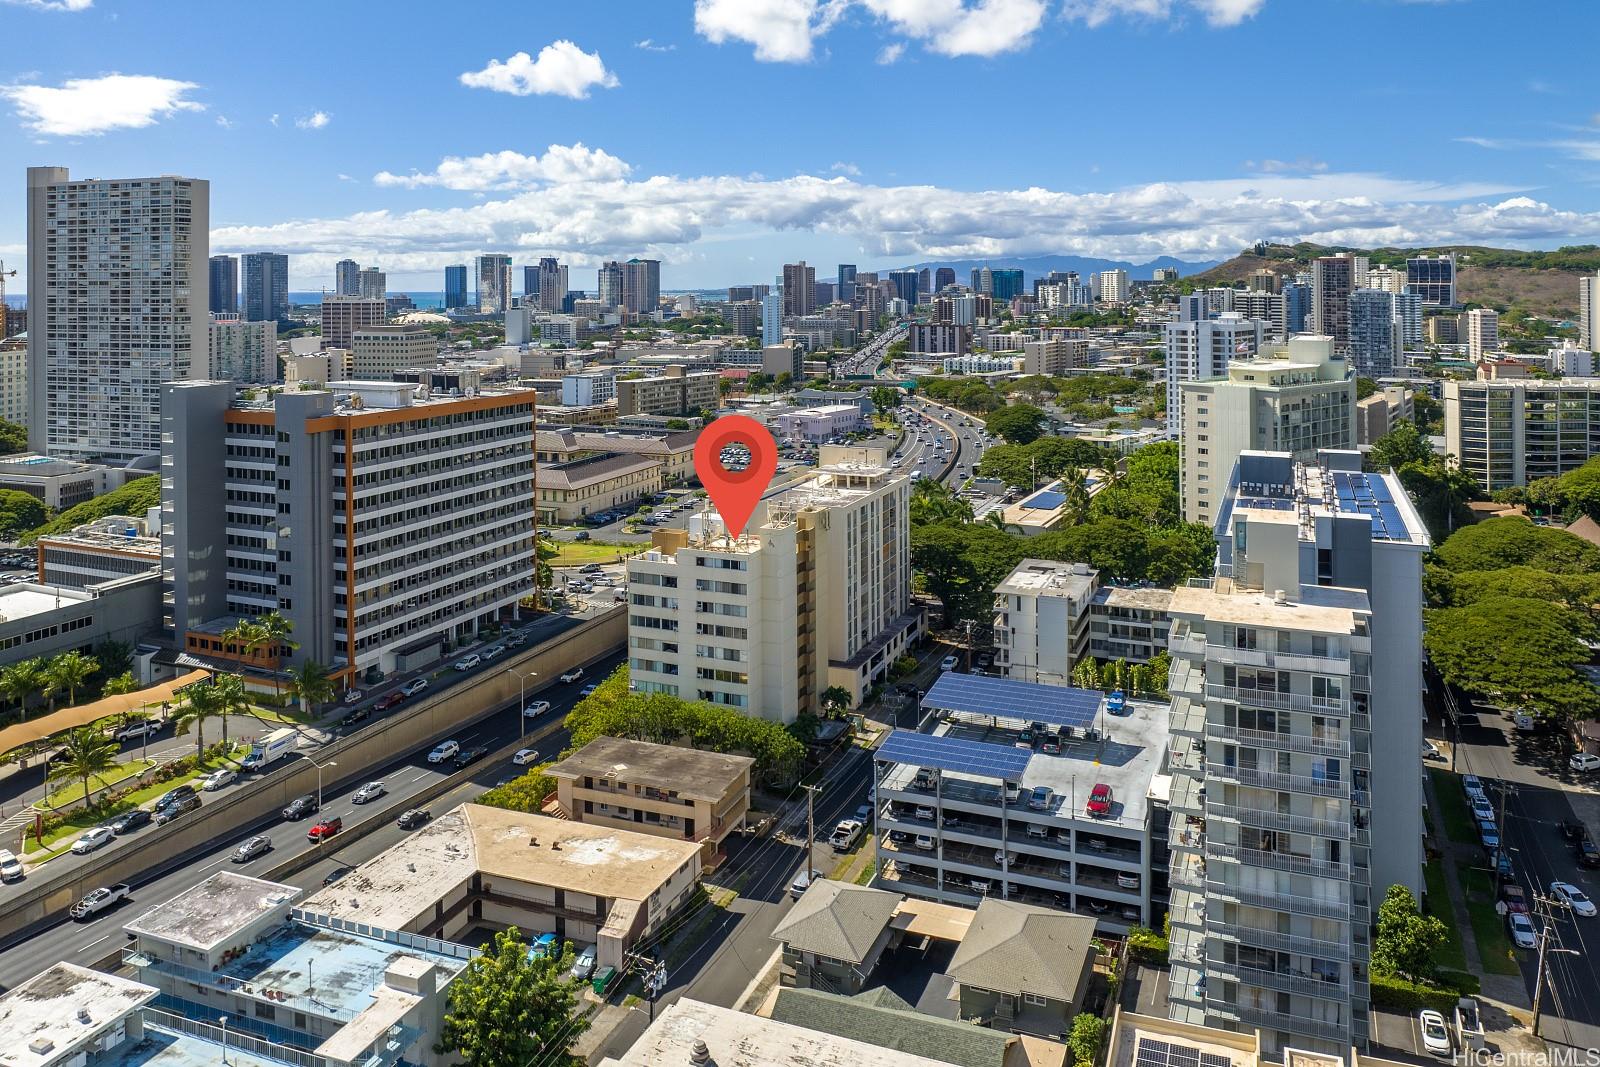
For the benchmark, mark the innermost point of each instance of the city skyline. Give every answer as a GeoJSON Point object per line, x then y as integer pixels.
{"type": "Point", "coordinates": [546, 146]}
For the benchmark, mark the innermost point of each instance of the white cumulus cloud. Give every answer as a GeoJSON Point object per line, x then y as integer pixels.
{"type": "Point", "coordinates": [513, 170]}
{"type": "Point", "coordinates": [562, 69]}
{"type": "Point", "coordinates": [781, 30]}
{"type": "Point", "coordinates": [314, 121]}
{"type": "Point", "coordinates": [54, 5]}
{"type": "Point", "coordinates": [1216, 12]}
{"type": "Point", "coordinates": [962, 28]}
{"type": "Point", "coordinates": [82, 106]}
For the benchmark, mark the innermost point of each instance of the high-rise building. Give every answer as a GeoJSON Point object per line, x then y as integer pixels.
{"type": "Point", "coordinates": [675, 391]}
{"type": "Point", "coordinates": [224, 285]}
{"type": "Point", "coordinates": [1055, 358]}
{"type": "Point", "coordinates": [118, 298]}
{"type": "Point", "coordinates": [1006, 283]}
{"type": "Point", "coordinates": [1266, 281]}
{"type": "Point", "coordinates": [1201, 348]}
{"type": "Point", "coordinates": [364, 581]}
{"type": "Point", "coordinates": [455, 286]}
{"type": "Point", "coordinates": [608, 285]}
{"type": "Point", "coordinates": [1332, 281]}
{"type": "Point", "coordinates": [1114, 286]}
{"type": "Point", "coordinates": [376, 352]}
{"type": "Point", "coordinates": [823, 295]}
{"type": "Point", "coordinates": [245, 353]}
{"type": "Point", "coordinates": [1042, 608]}
{"type": "Point", "coordinates": [1443, 329]}
{"type": "Point", "coordinates": [1433, 278]}
{"type": "Point", "coordinates": [743, 317]}
{"type": "Point", "coordinates": [1296, 397]}
{"type": "Point", "coordinates": [906, 284]}
{"type": "Point", "coordinates": [266, 287]}
{"type": "Point", "coordinates": [943, 278]}
{"type": "Point", "coordinates": [772, 316]}
{"type": "Point", "coordinates": [1387, 279]}
{"type": "Point", "coordinates": [983, 281]}
{"type": "Point", "coordinates": [1408, 309]}
{"type": "Point", "coordinates": [846, 283]}
{"type": "Point", "coordinates": [343, 315]}
{"type": "Point", "coordinates": [924, 281]}
{"type": "Point", "coordinates": [945, 338]}
{"type": "Point", "coordinates": [551, 287]}
{"type": "Point", "coordinates": [1508, 432]}
{"type": "Point", "coordinates": [1267, 306]}
{"type": "Point", "coordinates": [1589, 312]}
{"type": "Point", "coordinates": [347, 278]}
{"type": "Point", "coordinates": [1164, 275]}
{"type": "Point", "coordinates": [372, 284]}
{"type": "Point", "coordinates": [815, 593]}
{"type": "Point", "coordinates": [1296, 306]}
{"type": "Point", "coordinates": [1299, 669]}
{"type": "Point", "coordinates": [1483, 332]}
{"type": "Point", "coordinates": [494, 284]}
{"type": "Point", "coordinates": [641, 286]}
{"type": "Point", "coordinates": [1376, 342]}
{"type": "Point", "coordinates": [799, 289]}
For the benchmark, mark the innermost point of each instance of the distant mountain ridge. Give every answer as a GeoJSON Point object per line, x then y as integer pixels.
{"type": "Point", "coordinates": [1041, 266]}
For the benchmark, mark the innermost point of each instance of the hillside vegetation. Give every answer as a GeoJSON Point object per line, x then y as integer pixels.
{"type": "Point", "coordinates": [135, 498]}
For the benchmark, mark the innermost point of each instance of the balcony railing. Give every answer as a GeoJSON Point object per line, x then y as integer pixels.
{"type": "Point", "coordinates": [1282, 661]}
{"type": "Point", "coordinates": [1275, 820]}
{"type": "Point", "coordinates": [1277, 740]}
{"type": "Point", "coordinates": [1277, 861]}
{"type": "Point", "coordinates": [1281, 981]}
{"type": "Point", "coordinates": [1270, 939]}
{"type": "Point", "coordinates": [1272, 698]}
{"type": "Point", "coordinates": [1264, 898]}
{"type": "Point", "coordinates": [1268, 1019]}
{"type": "Point", "coordinates": [1297, 783]}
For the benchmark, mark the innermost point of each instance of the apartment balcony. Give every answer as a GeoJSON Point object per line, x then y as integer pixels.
{"type": "Point", "coordinates": [1296, 783]}
{"type": "Point", "coordinates": [1187, 797]}
{"type": "Point", "coordinates": [1268, 1019]}
{"type": "Point", "coordinates": [1186, 909]}
{"type": "Point", "coordinates": [1187, 870]}
{"type": "Point", "coordinates": [1184, 756]}
{"type": "Point", "coordinates": [1186, 679]}
{"type": "Point", "coordinates": [1270, 698]}
{"type": "Point", "coordinates": [1270, 939]}
{"type": "Point", "coordinates": [1189, 646]}
{"type": "Point", "coordinates": [1187, 839]}
{"type": "Point", "coordinates": [1282, 661]}
{"type": "Point", "coordinates": [1274, 820]}
{"type": "Point", "coordinates": [1280, 981]}
{"type": "Point", "coordinates": [1281, 742]}
{"type": "Point", "coordinates": [1277, 861]}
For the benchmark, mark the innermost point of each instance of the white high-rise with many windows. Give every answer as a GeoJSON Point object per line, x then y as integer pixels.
{"type": "Point", "coordinates": [1201, 348]}
{"type": "Point", "coordinates": [118, 306]}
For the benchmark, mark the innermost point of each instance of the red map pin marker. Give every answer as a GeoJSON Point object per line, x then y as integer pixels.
{"type": "Point", "coordinates": [735, 493]}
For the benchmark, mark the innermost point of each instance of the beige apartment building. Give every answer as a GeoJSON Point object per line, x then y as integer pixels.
{"type": "Point", "coordinates": [1054, 357]}
{"type": "Point", "coordinates": [342, 316]}
{"type": "Point", "coordinates": [376, 352]}
{"type": "Point", "coordinates": [676, 391]}
{"type": "Point", "coordinates": [662, 790]}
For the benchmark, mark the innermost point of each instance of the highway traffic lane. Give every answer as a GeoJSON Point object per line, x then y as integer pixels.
{"type": "Point", "coordinates": [406, 775]}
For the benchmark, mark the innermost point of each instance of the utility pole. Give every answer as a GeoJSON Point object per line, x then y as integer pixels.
{"type": "Point", "coordinates": [969, 645]}
{"type": "Point", "coordinates": [811, 828]}
{"type": "Point", "coordinates": [1544, 903]}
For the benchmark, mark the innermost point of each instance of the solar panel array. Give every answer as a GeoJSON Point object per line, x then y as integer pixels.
{"type": "Point", "coordinates": [1048, 500]}
{"type": "Point", "coordinates": [1371, 497]}
{"type": "Point", "coordinates": [1003, 762]}
{"type": "Point", "coordinates": [1007, 698]}
{"type": "Point", "coordinates": [1153, 1053]}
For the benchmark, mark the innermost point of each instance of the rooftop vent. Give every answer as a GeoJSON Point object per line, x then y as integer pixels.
{"type": "Point", "coordinates": [699, 1055]}
{"type": "Point", "coordinates": [83, 1015]}
{"type": "Point", "coordinates": [1279, 596]}
{"type": "Point", "coordinates": [39, 1046]}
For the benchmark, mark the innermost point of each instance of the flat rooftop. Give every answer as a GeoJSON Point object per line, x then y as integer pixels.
{"type": "Point", "coordinates": [735, 1039]}
{"type": "Point", "coordinates": [45, 1009]}
{"type": "Point", "coordinates": [1320, 609]}
{"type": "Point", "coordinates": [208, 914]}
{"type": "Point", "coordinates": [162, 1047]}
{"type": "Point", "coordinates": [1144, 598]}
{"type": "Point", "coordinates": [1043, 577]}
{"type": "Point", "coordinates": [26, 599]}
{"type": "Point", "coordinates": [37, 466]}
{"type": "Point", "coordinates": [1150, 1041]}
{"type": "Point", "coordinates": [686, 771]}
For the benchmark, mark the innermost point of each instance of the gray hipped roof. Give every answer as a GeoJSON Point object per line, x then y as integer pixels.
{"type": "Point", "coordinates": [1017, 948]}
{"type": "Point", "coordinates": [837, 919]}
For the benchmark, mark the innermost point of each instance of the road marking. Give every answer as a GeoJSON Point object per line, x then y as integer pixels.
{"type": "Point", "coordinates": [213, 863]}
{"type": "Point", "coordinates": [93, 943]}
{"type": "Point", "coordinates": [421, 776]}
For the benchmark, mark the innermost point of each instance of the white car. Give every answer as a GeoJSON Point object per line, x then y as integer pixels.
{"type": "Point", "coordinates": [99, 837]}
{"type": "Point", "coordinates": [1482, 811]}
{"type": "Point", "coordinates": [525, 756]}
{"type": "Point", "coordinates": [1584, 761]}
{"type": "Point", "coordinates": [948, 663]}
{"type": "Point", "coordinates": [538, 707]}
{"type": "Point", "coordinates": [354, 696]}
{"type": "Point", "coordinates": [571, 676]}
{"type": "Point", "coordinates": [1435, 1036]}
{"type": "Point", "coordinates": [220, 778]}
{"type": "Point", "coordinates": [466, 663]}
{"type": "Point", "coordinates": [1523, 722]}
{"type": "Point", "coordinates": [1523, 934]}
{"type": "Point", "coordinates": [10, 866]}
{"type": "Point", "coordinates": [444, 750]}
{"type": "Point", "coordinates": [370, 791]}
{"type": "Point", "coordinates": [1574, 898]}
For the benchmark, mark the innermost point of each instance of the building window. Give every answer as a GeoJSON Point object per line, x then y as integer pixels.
{"type": "Point", "coordinates": [1035, 999]}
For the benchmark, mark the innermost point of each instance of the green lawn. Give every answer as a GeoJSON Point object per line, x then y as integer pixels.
{"type": "Point", "coordinates": [1453, 809]}
{"type": "Point", "coordinates": [1494, 944]}
{"type": "Point", "coordinates": [576, 553]}
{"type": "Point", "coordinates": [71, 789]}
{"type": "Point", "coordinates": [1452, 955]}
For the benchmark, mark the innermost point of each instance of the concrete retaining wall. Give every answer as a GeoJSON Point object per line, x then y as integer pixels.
{"type": "Point", "coordinates": [43, 899]}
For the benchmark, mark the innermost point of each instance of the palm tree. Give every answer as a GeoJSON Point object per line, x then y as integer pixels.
{"type": "Point", "coordinates": [122, 683]}
{"type": "Point", "coordinates": [997, 519]}
{"type": "Point", "coordinates": [200, 702]}
{"type": "Point", "coordinates": [21, 681]}
{"type": "Point", "coordinates": [68, 671]}
{"type": "Point", "coordinates": [309, 683]}
{"type": "Point", "coordinates": [84, 754]}
{"type": "Point", "coordinates": [271, 632]}
{"type": "Point", "coordinates": [232, 699]}
{"type": "Point", "coordinates": [1075, 487]}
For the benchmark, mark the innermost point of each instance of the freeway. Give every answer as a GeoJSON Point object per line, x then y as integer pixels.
{"type": "Point", "coordinates": [405, 776]}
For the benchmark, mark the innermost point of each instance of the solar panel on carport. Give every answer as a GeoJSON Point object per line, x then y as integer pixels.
{"type": "Point", "coordinates": [1008, 698]}
{"type": "Point", "coordinates": [954, 754]}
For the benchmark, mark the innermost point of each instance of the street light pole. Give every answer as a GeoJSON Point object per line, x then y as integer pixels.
{"type": "Point", "coordinates": [522, 697]}
{"type": "Point", "coordinates": [224, 1021]}
{"type": "Point", "coordinates": [319, 766]}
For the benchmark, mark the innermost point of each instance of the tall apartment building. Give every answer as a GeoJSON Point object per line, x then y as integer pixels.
{"type": "Point", "coordinates": [845, 283]}
{"type": "Point", "coordinates": [675, 391]}
{"type": "Point", "coordinates": [1589, 312]}
{"type": "Point", "coordinates": [1386, 279]}
{"type": "Point", "coordinates": [1508, 432]}
{"type": "Point", "coordinates": [1332, 282]}
{"type": "Point", "coordinates": [1114, 286]}
{"type": "Point", "coordinates": [743, 317]}
{"type": "Point", "coordinates": [14, 382]}
{"type": "Point", "coordinates": [1300, 670]}
{"type": "Point", "coordinates": [245, 353]}
{"type": "Point", "coordinates": [372, 284]}
{"type": "Point", "coordinates": [1041, 620]}
{"type": "Point", "coordinates": [816, 592]}
{"type": "Point", "coordinates": [118, 292]}
{"type": "Point", "coordinates": [376, 352]}
{"type": "Point", "coordinates": [1265, 281]}
{"type": "Point", "coordinates": [1269, 307]}
{"type": "Point", "coordinates": [549, 283]}
{"type": "Point", "coordinates": [772, 317]}
{"type": "Point", "coordinates": [266, 286]}
{"type": "Point", "coordinates": [455, 286]}
{"type": "Point", "coordinates": [1297, 397]}
{"type": "Point", "coordinates": [224, 285]}
{"type": "Point", "coordinates": [1483, 332]}
{"type": "Point", "coordinates": [1296, 306]}
{"type": "Point", "coordinates": [494, 283]}
{"type": "Point", "coordinates": [379, 524]}
{"type": "Point", "coordinates": [347, 278]}
{"type": "Point", "coordinates": [342, 316]}
{"type": "Point", "coordinates": [943, 337]}
{"type": "Point", "coordinates": [1054, 357]}
{"type": "Point", "coordinates": [1433, 278]}
{"type": "Point", "coordinates": [1378, 413]}
{"type": "Point", "coordinates": [1201, 348]}
{"type": "Point", "coordinates": [799, 289]}
{"type": "Point", "coordinates": [1443, 329]}
{"type": "Point", "coordinates": [1376, 341]}
{"type": "Point", "coordinates": [943, 278]}
{"type": "Point", "coordinates": [907, 285]}
{"type": "Point", "coordinates": [641, 285]}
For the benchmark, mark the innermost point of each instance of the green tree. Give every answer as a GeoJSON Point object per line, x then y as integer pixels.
{"type": "Point", "coordinates": [1088, 1030]}
{"type": "Point", "coordinates": [1401, 445]}
{"type": "Point", "coordinates": [1537, 670]}
{"type": "Point", "coordinates": [19, 512]}
{"type": "Point", "coordinates": [885, 398]}
{"type": "Point", "coordinates": [23, 681]}
{"type": "Point", "coordinates": [1365, 387]}
{"type": "Point", "coordinates": [198, 703]}
{"type": "Point", "coordinates": [1016, 423]}
{"type": "Point", "coordinates": [1511, 542]}
{"type": "Point", "coordinates": [310, 684]}
{"type": "Point", "coordinates": [525, 793]}
{"type": "Point", "coordinates": [934, 502]}
{"type": "Point", "coordinates": [506, 1009]}
{"type": "Point", "coordinates": [232, 699]}
{"type": "Point", "coordinates": [1407, 939]}
{"type": "Point", "coordinates": [836, 700]}
{"type": "Point", "coordinates": [13, 438]}
{"type": "Point", "coordinates": [120, 684]}
{"type": "Point", "coordinates": [85, 753]}
{"type": "Point", "coordinates": [67, 673]}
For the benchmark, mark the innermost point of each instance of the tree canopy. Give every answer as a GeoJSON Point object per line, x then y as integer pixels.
{"type": "Point", "coordinates": [1511, 541]}
{"type": "Point", "coordinates": [506, 1009]}
{"type": "Point", "coordinates": [1407, 939]}
{"type": "Point", "coordinates": [20, 512]}
{"type": "Point", "coordinates": [1017, 424]}
{"type": "Point", "coordinates": [1517, 651]}
{"type": "Point", "coordinates": [1401, 445]}
{"type": "Point", "coordinates": [1043, 459]}
{"type": "Point", "coordinates": [13, 438]}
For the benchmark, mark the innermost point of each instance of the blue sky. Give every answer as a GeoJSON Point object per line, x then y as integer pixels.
{"type": "Point", "coordinates": [727, 136]}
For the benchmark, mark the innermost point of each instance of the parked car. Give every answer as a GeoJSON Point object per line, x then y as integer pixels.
{"type": "Point", "coordinates": [1127, 881]}
{"type": "Point", "coordinates": [444, 750]}
{"type": "Point", "coordinates": [924, 842]}
{"type": "Point", "coordinates": [574, 675]}
{"type": "Point", "coordinates": [325, 829]}
{"type": "Point", "coordinates": [391, 700]}
{"type": "Point", "coordinates": [360, 715]}
{"type": "Point", "coordinates": [301, 806]}
{"type": "Point", "coordinates": [471, 755]}
{"type": "Point", "coordinates": [354, 696]}
{"type": "Point", "coordinates": [1588, 853]}
{"type": "Point", "coordinates": [537, 708]}
{"type": "Point", "coordinates": [948, 663]}
{"type": "Point", "coordinates": [801, 883]}
{"type": "Point", "coordinates": [1431, 751]}
{"type": "Point", "coordinates": [1482, 811]}
{"type": "Point", "coordinates": [413, 687]}
{"type": "Point", "coordinates": [1584, 762]}
{"type": "Point", "coordinates": [1473, 785]}
{"type": "Point", "coordinates": [10, 866]}
{"type": "Point", "coordinates": [1099, 800]}
{"type": "Point", "coordinates": [467, 662]}
{"type": "Point", "coordinates": [1523, 934]}
{"type": "Point", "coordinates": [131, 820]}
{"type": "Point", "coordinates": [543, 945]}
{"type": "Point", "coordinates": [172, 796]}
{"type": "Point", "coordinates": [95, 839]}
{"type": "Point", "coordinates": [220, 778]}
{"type": "Point", "coordinates": [258, 845]}
{"type": "Point", "coordinates": [583, 966]}
{"type": "Point", "coordinates": [370, 791]}
{"type": "Point", "coordinates": [845, 835]}
{"type": "Point", "coordinates": [525, 756]}
{"type": "Point", "coordinates": [924, 812]}
{"type": "Point", "coordinates": [1435, 1037]}
{"type": "Point", "coordinates": [493, 652]}
{"type": "Point", "coordinates": [1040, 798]}
{"type": "Point", "coordinates": [135, 731]}
{"type": "Point", "coordinates": [517, 640]}
{"type": "Point", "coordinates": [1571, 829]}
{"type": "Point", "coordinates": [181, 806]}
{"type": "Point", "coordinates": [1489, 833]}
{"type": "Point", "coordinates": [1574, 898]}
{"type": "Point", "coordinates": [412, 818]}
